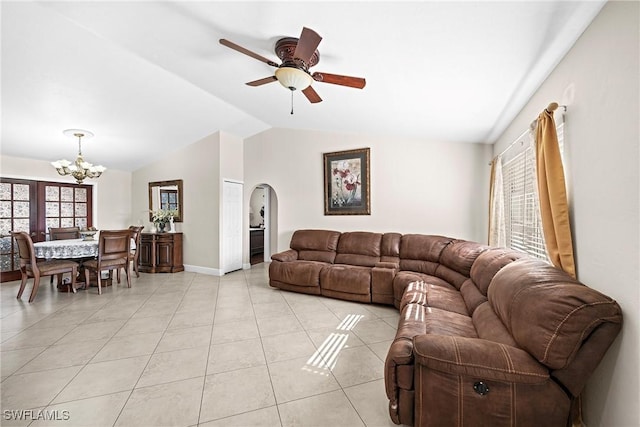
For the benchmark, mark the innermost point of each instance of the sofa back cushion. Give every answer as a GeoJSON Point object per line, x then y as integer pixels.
{"type": "Point", "coordinates": [456, 261]}
{"type": "Point", "coordinates": [421, 253]}
{"type": "Point", "coordinates": [548, 313]}
{"type": "Point", "coordinates": [489, 263]}
{"type": "Point", "coordinates": [390, 247]}
{"type": "Point", "coordinates": [359, 248]}
{"type": "Point", "coordinates": [315, 245]}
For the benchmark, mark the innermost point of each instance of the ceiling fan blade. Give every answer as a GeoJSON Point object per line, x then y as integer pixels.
{"type": "Point", "coordinates": [311, 95]}
{"type": "Point", "coordinates": [307, 45]}
{"type": "Point", "coordinates": [263, 81]}
{"type": "Point", "coordinates": [337, 79]}
{"type": "Point", "coordinates": [247, 52]}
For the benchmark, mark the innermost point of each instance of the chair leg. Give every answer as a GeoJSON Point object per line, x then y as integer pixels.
{"type": "Point", "coordinates": [127, 271]}
{"type": "Point", "coordinates": [36, 284]}
{"type": "Point", "coordinates": [74, 273]}
{"type": "Point", "coordinates": [99, 280]}
{"type": "Point", "coordinates": [23, 284]}
{"type": "Point", "coordinates": [86, 278]}
{"type": "Point", "coordinates": [135, 266]}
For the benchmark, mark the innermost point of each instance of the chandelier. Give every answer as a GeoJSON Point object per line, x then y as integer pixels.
{"type": "Point", "coordinates": [78, 169]}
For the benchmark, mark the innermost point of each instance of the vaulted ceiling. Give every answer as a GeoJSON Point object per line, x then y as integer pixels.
{"type": "Point", "coordinates": [150, 77]}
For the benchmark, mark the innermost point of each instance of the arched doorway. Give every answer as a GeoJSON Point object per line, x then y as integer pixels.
{"type": "Point", "coordinates": [263, 230]}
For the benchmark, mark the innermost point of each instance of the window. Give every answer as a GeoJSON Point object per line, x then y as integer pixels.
{"type": "Point", "coordinates": [523, 225]}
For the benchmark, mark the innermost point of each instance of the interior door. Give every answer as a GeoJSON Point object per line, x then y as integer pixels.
{"type": "Point", "coordinates": [231, 251]}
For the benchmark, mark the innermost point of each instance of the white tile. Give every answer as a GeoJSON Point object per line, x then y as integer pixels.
{"type": "Point", "coordinates": [175, 365]}
{"type": "Point", "coordinates": [299, 378]}
{"type": "Point", "coordinates": [267, 417]}
{"type": "Point", "coordinates": [179, 339]}
{"type": "Point", "coordinates": [287, 346]}
{"type": "Point", "coordinates": [235, 355]}
{"type": "Point", "coordinates": [61, 356]}
{"type": "Point", "coordinates": [235, 392]}
{"type": "Point", "coordinates": [371, 402]}
{"type": "Point", "coordinates": [128, 346]}
{"type": "Point", "coordinates": [100, 378]}
{"type": "Point", "coordinates": [329, 409]}
{"type": "Point", "coordinates": [35, 389]}
{"type": "Point", "coordinates": [234, 331]}
{"type": "Point", "coordinates": [172, 404]}
{"type": "Point", "coordinates": [100, 411]}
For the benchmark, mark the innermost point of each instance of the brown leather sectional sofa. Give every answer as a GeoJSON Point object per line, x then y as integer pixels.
{"type": "Point", "coordinates": [486, 336]}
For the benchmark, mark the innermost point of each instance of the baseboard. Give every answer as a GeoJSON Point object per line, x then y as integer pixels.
{"type": "Point", "coordinates": [203, 270]}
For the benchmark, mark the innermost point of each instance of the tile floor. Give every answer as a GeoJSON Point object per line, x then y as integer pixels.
{"type": "Point", "coordinates": [192, 350]}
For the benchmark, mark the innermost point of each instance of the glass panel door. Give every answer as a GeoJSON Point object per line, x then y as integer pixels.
{"type": "Point", "coordinates": [63, 205]}
{"type": "Point", "coordinates": [33, 207]}
{"type": "Point", "coordinates": [17, 213]}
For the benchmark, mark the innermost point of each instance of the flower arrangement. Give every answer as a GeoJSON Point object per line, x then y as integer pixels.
{"type": "Point", "coordinates": [161, 217]}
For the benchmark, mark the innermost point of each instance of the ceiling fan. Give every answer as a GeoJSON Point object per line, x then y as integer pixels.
{"type": "Point", "coordinates": [297, 56]}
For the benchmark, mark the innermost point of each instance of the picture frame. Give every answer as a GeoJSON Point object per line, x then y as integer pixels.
{"type": "Point", "coordinates": [347, 182]}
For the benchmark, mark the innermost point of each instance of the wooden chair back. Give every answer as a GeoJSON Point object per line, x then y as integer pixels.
{"type": "Point", "coordinates": [114, 244]}
{"type": "Point", "coordinates": [63, 233]}
{"type": "Point", "coordinates": [25, 250]}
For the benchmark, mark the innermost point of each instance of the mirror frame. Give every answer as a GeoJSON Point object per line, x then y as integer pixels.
{"type": "Point", "coordinates": [176, 182]}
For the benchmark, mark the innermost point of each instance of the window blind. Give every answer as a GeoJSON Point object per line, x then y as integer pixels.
{"type": "Point", "coordinates": [523, 224]}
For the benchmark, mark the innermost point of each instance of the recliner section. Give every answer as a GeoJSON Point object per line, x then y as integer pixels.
{"type": "Point", "coordinates": [486, 336]}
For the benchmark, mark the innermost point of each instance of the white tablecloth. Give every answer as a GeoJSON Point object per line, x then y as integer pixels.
{"type": "Point", "coordinates": [69, 248]}
{"type": "Point", "coordinates": [64, 249]}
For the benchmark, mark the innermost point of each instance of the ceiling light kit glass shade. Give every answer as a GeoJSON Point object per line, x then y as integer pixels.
{"type": "Point", "coordinates": [293, 78]}
{"type": "Point", "coordinates": [79, 169]}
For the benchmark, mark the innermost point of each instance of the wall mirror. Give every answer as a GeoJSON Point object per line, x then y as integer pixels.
{"type": "Point", "coordinates": [166, 195]}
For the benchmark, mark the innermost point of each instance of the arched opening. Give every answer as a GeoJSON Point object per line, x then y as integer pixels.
{"type": "Point", "coordinates": [263, 223]}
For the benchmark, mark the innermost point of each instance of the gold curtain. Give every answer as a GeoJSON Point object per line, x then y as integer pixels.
{"type": "Point", "coordinates": [552, 192]}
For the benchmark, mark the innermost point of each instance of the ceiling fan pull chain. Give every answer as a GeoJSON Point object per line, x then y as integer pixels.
{"type": "Point", "coordinates": [292, 102]}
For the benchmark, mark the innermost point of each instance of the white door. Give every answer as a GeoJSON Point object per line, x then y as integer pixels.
{"type": "Point", "coordinates": [231, 226]}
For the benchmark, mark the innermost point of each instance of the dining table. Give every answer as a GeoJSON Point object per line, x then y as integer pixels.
{"type": "Point", "coordinates": [73, 249]}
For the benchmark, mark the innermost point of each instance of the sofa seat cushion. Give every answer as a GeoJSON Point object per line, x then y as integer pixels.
{"type": "Point", "coordinates": [403, 279]}
{"type": "Point", "coordinates": [433, 292]}
{"type": "Point", "coordinates": [299, 273]}
{"type": "Point", "coordinates": [351, 279]}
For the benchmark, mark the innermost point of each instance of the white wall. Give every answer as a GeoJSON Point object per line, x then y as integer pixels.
{"type": "Point", "coordinates": [111, 192]}
{"type": "Point", "coordinates": [598, 80]}
{"type": "Point", "coordinates": [198, 166]}
{"type": "Point", "coordinates": [416, 186]}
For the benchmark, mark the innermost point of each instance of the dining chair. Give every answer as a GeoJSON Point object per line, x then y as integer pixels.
{"type": "Point", "coordinates": [31, 267]}
{"type": "Point", "coordinates": [114, 252]}
{"type": "Point", "coordinates": [63, 233]}
{"type": "Point", "coordinates": [136, 232]}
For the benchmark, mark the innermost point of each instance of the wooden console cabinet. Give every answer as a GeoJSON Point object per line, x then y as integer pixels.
{"type": "Point", "coordinates": [160, 253]}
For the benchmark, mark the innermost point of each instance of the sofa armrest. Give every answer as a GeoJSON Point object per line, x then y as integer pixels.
{"type": "Point", "coordinates": [390, 265]}
{"type": "Point", "coordinates": [286, 256]}
{"type": "Point", "coordinates": [382, 275]}
{"type": "Point", "coordinates": [478, 358]}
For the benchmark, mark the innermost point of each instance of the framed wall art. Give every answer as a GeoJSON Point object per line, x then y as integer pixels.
{"type": "Point", "coordinates": [346, 183]}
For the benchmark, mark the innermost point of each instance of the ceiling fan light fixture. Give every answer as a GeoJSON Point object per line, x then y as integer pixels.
{"type": "Point", "coordinates": [293, 78]}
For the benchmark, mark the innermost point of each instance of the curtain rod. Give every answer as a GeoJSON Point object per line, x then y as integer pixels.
{"type": "Point", "coordinates": [550, 108]}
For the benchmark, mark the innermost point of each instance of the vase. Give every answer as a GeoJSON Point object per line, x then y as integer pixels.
{"type": "Point", "coordinates": [160, 227]}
